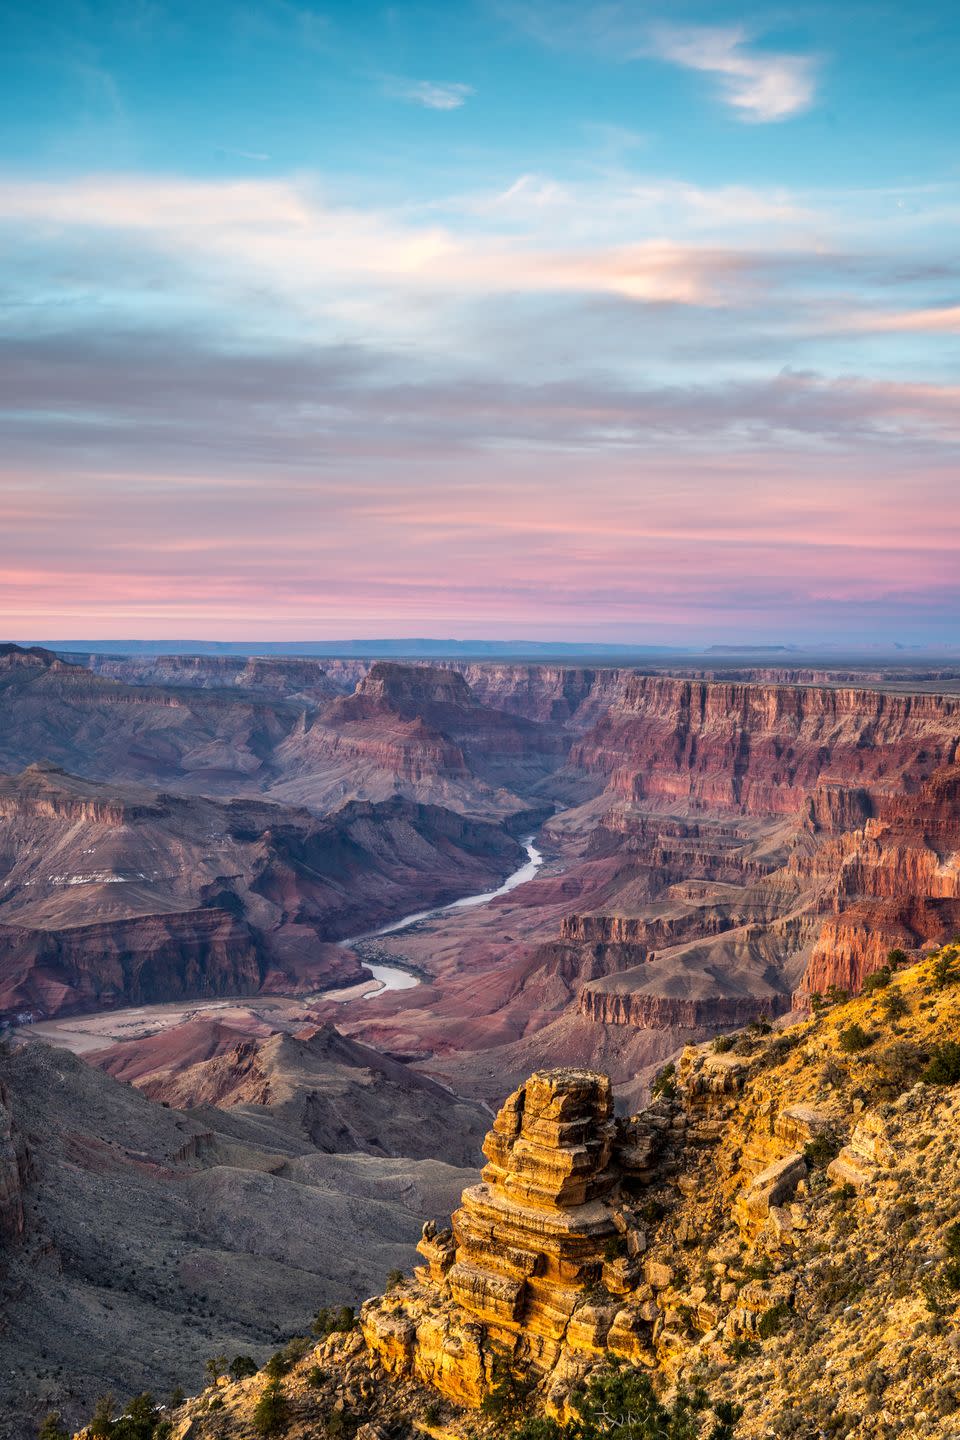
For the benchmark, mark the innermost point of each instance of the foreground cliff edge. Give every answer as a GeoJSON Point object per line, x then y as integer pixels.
{"type": "Point", "coordinates": [777, 1236]}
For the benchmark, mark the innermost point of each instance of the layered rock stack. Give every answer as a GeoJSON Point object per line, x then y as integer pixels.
{"type": "Point", "coordinates": [531, 1277]}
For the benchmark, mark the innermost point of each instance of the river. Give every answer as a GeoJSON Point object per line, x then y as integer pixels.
{"type": "Point", "coordinates": [393, 977]}
{"type": "Point", "coordinates": [84, 1034]}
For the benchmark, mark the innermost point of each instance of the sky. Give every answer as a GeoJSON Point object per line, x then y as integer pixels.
{"type": "Point", "coordinates": [629, 322]}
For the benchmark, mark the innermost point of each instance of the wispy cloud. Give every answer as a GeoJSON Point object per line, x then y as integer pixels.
{"type": "Point", "coordinates": [759, 85]}
{"type": "Point", "coordinates": [431, 94]}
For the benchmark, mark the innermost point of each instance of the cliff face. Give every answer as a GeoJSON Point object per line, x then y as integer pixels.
{"type": "Point", "coordinates": [760, 749]}
{"type": "Point", "coordinates": [138, 961]}
{"type": "Point", "coordinates": [570, 696]}
{"type": "Point", "coordinates": [895, 882]}
{"type": "Point", "coordinates": [508, 1282]}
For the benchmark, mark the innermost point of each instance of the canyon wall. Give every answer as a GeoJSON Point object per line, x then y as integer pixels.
{"type": "Point", "coordinates": [761, 749]}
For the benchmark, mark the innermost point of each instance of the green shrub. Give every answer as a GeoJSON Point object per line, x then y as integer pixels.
{"type": "Point", "coordinates": [897, 958]}
{"type": "Point", "coordinates": [242, 1366]}
{"type": "Point", "coordinates": [771, 1322]}
{"type": "Point", "coordinates": [894, 1005]}
{"type": "Point", "coordinates": [944, 1066]}
{"type": "Point", "coordinates": [139, 1420]}
{"type": "Point", "coordinates": [52, 1428]}
{"type": "Point", "coordinates": [277, 1366]}
{"type": "Point", "coordinates": [879, 980]}
{"type": "Point", "coordinates": [665, 1082]}
{"type": "Point", "coordinates": [101, 1421]}
{"type": "Point", "coordinates": [270, 1412]}
{"type": "Point", "coordinates": [624, 1403]}
{"type": "Point", "coordinates": [329, 1321]}
{"type": "Point", "coordinates": [317, 1377]}
{"type": "Point", "coordinates": [395, 1278]}
{"type": "Point", "coordinates": [898, 1066]}
{"type": "Point", "coordinates": [943, 972]}
{"type": "Point", "coordinates": [215, 1366]}
{"type": "Point", "coordinates": [740, 1349]}
{"type": "Point", "coordinates": [721, 1044]}
{"type": "Point", "coordinates": [853, 1038]}
{"type": "Point", "coordinates": [539, 1428]}
{"type": "Point", "coordinates": [819, 1151]}
{"type": "Point", "coordinates": [726, 1414]}
{"type": "Point", "coordinates": [297, 1348]}
{"type": "Point", "coordinates": [508, 1396]}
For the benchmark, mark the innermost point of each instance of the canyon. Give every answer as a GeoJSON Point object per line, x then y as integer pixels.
{"type": "Point", "coordinates": [721, 848]}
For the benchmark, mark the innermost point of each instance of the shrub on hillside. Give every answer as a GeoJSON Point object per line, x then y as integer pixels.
{"type": "Point", "coordinates": [898, 1066]}
{"type": "Point", "coordinates": [819, 1151]}
{"type": "Point", "coordinates": [53, 1428]}
{"type": "Point", "coordinates": [270, 1411]}
{"type": "Point", "coordinates": [242, 1366]}
{"type": "Point", "coordinates": [623, 1403]}
{"type": "Point", "coordinates": [943, 972]}
{"type": "Point", "coordinates": [879, 980]}
{"type": "Point", "coordinates": [893, 1004]}
{"type": "Point", "coordinates": [665, 1082]}
{"type": "Point", "coordinates": [330, 1320]}
{"type": "Point", "coordinates": [853, 1038]}
{"type": "Point", "coordinates": [944, 1066]}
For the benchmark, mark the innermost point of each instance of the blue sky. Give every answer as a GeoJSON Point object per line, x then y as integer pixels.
{"type": "Point", "coordinates": [551, 319]}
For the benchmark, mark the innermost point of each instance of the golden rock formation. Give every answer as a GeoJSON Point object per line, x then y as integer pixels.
{"type": "Point", "coordinates": [541, 1252]}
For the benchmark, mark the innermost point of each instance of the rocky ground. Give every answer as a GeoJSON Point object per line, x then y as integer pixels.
{"type": "Point", "coordinates": [137, 1239]}
{"type": "Point", "coordinates": [787, 1237]}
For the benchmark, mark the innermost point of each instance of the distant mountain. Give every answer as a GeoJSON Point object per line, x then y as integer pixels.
{"type": "Point", "coordinates": [413, 648]}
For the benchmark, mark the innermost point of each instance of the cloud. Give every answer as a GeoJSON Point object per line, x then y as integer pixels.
{"type": "Point", "coordinates": [431, 94]}
{"type": "Point", "coordinates": [936, 320]}
{"type": "Point", "coordinates": [283, 231]}
{"type": "Point", "coordinates": [759, 85]}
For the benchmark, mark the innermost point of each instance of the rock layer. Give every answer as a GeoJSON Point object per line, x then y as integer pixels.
{"type": "Point", "coordinates": [509, 1285]}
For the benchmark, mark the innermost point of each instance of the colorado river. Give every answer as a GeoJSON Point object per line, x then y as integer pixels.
{"type": "Point", "coordinates": [392, 977]}
{"type": "Point", "coordinates": [84, 1034]}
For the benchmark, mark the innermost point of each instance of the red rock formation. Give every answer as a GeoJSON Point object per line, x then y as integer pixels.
{"type": "Point", "coordinates": [893, 882]}
{"type": "Point", "coordinates": [669, 1012]}
{"type": "Point", "coordinates": [419, 729]}
{"type": "Point", "coordinates": [761, 749]}
{"type": "Point", "coordinates": [136, 961]}
{"type": "Point", "coordinates": [113, 895]}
